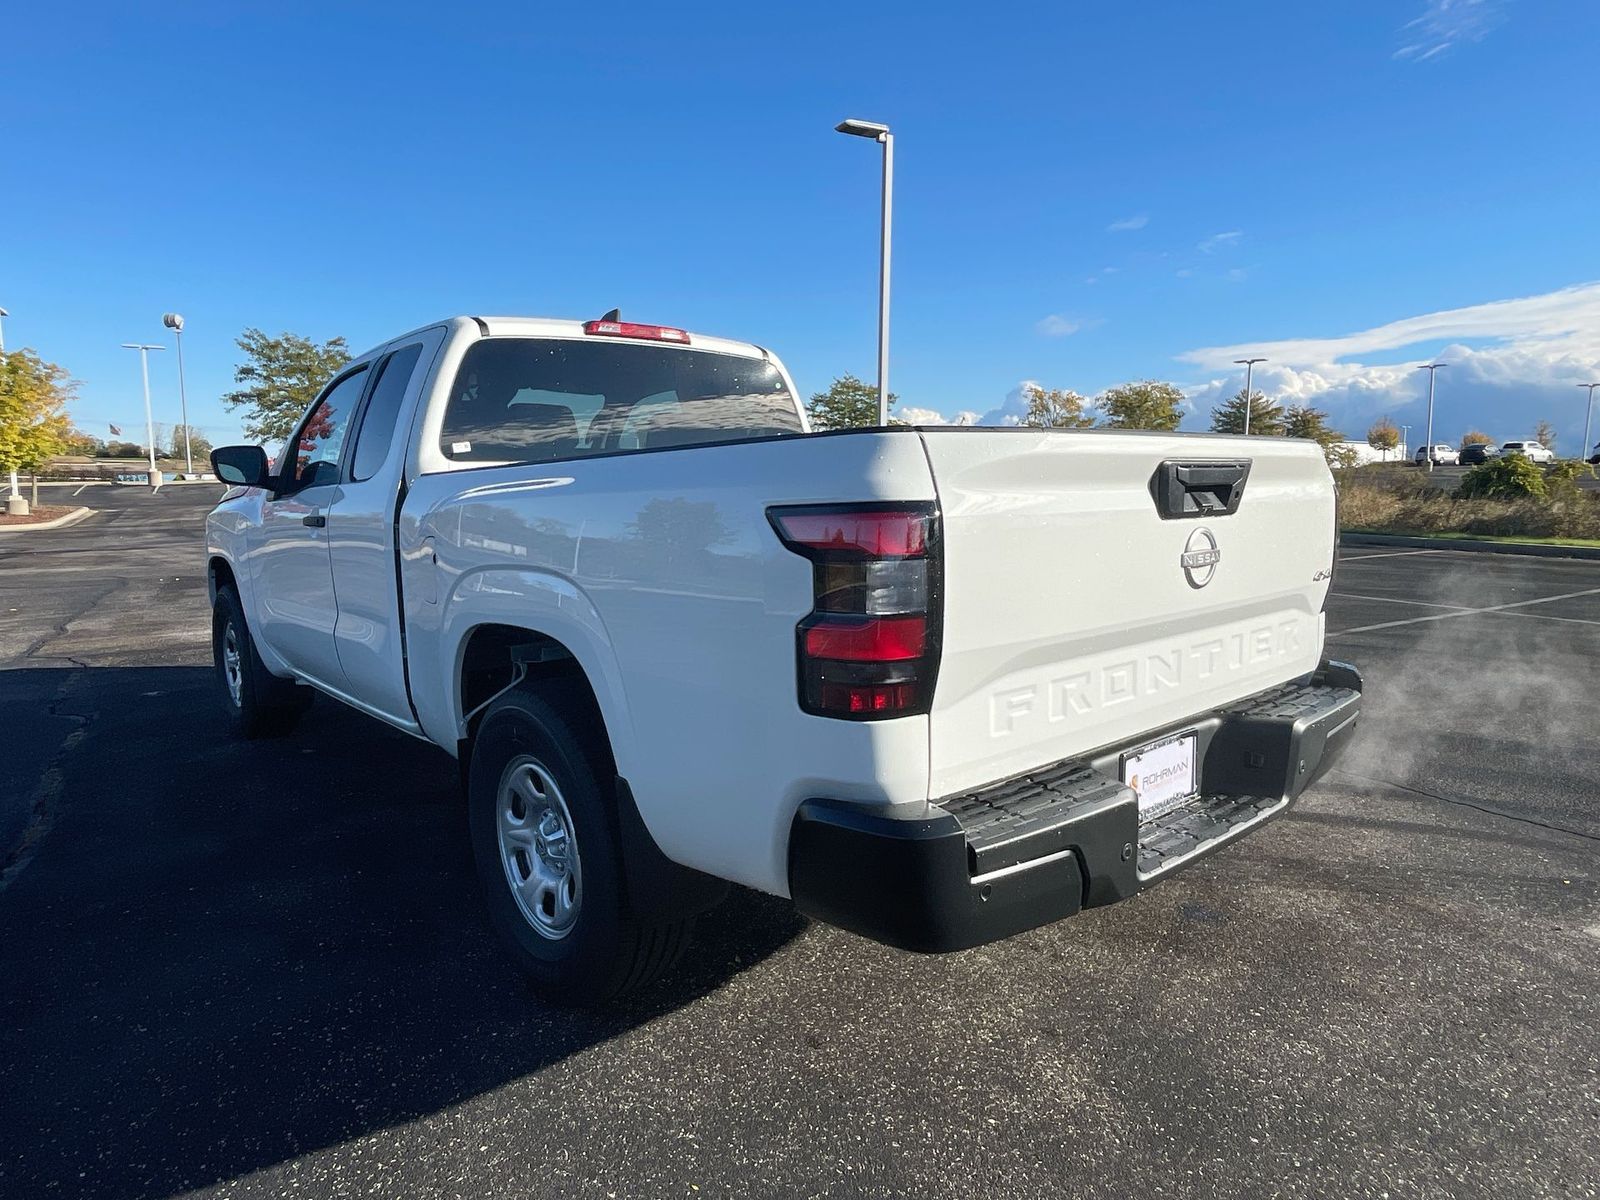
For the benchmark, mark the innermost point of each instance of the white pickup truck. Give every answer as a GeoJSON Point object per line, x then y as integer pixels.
{"type": "Point", "coordinates": [938, 685]}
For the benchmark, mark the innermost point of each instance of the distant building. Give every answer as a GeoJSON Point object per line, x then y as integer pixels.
{"type": "Point", "coordinates": [1364, 453]}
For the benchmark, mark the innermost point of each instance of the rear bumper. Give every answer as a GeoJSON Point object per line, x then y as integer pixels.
{"type": "Point", "coordinates": [1031, 850]}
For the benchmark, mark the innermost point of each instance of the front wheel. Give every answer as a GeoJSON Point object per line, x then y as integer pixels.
{"type": "Point", "coordinates": [257, 702]}
{"type": "Point", "coordinates": [542, 818]}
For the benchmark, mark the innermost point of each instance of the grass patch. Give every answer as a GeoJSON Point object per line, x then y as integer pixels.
{"type": "Point", "coordinates": [1401, 503]}
{"type": "Point", "coordinates": [1591, 543]}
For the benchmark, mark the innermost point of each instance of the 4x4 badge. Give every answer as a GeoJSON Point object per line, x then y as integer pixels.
{"type": "Point", "coordinates": [1200, 558]}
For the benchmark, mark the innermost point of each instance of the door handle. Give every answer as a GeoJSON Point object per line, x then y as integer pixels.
{"type": "Point", "coordinates": [314, 520]}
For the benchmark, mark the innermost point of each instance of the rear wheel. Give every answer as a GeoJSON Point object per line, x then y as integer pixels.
{"type": "Point", "coordinates": [542, 816]}
{"type": "Point", "coordinates": [257, 702]}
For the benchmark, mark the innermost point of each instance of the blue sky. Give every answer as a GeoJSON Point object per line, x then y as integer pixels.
{"type": "Point", "coordinates": [1085, 193]}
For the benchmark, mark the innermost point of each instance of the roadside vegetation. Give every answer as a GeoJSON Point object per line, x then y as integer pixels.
{"type": "Point", "coordinates": [1506, 497]}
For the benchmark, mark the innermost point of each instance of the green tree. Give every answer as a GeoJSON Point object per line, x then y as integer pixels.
{"type": "Point", "coordinates": [199, 443]}
{"type": "Point", "coordinates": [847, 404]}
{"type": "Point", "coordinates": [1266, 416]}
{"type": "Point", "coordinates": [1146, 404]}
{"type": "Point", "coordinates": [1512, 477]}
{"type": "Point", "coordinates": [1303, 421]}
{"type": "Point", "coordinates": [1056, 408]}
{"type": "Point", "coordinates": [33, 416]}
{"type": "Point", "coordinates": [280, 377]}
{"type": "Point", "coordinates": [124, 450]}
{"type": "Point", "coordinates": [1383, 437]}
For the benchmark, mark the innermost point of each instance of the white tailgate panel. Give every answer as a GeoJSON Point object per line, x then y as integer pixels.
{"type": "Point", "coordinates": [1069, 622]}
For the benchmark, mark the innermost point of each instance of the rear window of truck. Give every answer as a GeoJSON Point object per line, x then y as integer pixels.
{"type": "Point", "coordinates": [540, 399]}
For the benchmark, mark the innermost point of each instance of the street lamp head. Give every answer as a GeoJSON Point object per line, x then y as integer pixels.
{"type": "Point", "coordinates": [1431, 366]}
{"type": "Point", "coordinates": [172, 321]}
{"type": "Point", "coordinates": [141, 346]}
{"type": "Point", "coordinates": [4, 313]}
{"type": "Point", "coordinates": [866, 129]}
{"type": "Point", "coordinates": [1247, 362]}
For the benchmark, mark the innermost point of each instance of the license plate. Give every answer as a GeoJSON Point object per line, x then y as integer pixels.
{"type": "Point", "coordinates": [1162, 774]}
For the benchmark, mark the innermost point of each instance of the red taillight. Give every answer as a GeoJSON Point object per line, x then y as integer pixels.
{"type": "Point", "coordinates": [870, 646]}
{"type": "Point", "coordinates": [889, 534]}
{"type": "Point", "coordinates": [892, 639]}
{"type": "Point", "coordinates": [628, 329]}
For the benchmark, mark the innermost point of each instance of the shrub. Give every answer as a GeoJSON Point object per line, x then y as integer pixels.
{"type": "Point", "coordinates": [1513, 477]}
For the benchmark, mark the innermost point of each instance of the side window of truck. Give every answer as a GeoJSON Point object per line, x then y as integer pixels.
{"type": "Point", "coordinates": [375, 435]}
{"type": "Point", "coordinates": [320, 438]}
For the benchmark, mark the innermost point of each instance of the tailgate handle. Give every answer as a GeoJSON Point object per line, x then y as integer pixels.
{"type": "Point", "coordinates": [1198, 489]}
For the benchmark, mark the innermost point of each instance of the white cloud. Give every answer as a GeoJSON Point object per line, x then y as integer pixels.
{"type": "Point", "coordinates": [929, 416]}
{"type": "Point", "coordinates": [1056, 325]}
{"type": "Point", "coordinates": [1512, 362]}
{"type": "Point", "coordinates": [1446, 23]}
{"type": "Point", "coordinates": [1219, 241]}
{"type": "Point", "coordinates": [1129, 224]}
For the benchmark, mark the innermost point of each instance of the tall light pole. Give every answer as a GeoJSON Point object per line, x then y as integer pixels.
{"type": "Point", "coordinates": [1588, 411]}
{"type": "Point", "coordinates": [3, 315]}
{"type": "Point", "coordinates": [881, 135]}
{"type": "Point", "coordinates": [174, 322]}
{"type": "Point", "coordinates": [1249, 365]}
{"type": "Point", "coordinates": [1432, 369]}
{"type": "Point", "coordinates": [1405, 440]}
{"type": "Point", "coordinates": [144, 349]}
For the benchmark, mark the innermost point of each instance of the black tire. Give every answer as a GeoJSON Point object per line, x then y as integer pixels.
{"type": "Point", "coordinates": [547, 732]}
{"type": "Point", "coordinates": [262, 705]}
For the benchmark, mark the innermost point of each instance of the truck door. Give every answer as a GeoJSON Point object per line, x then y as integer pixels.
{"type": "Point", "coordinates": [291, 572]}
{"type": "Point", "coordinates": [368, 635]}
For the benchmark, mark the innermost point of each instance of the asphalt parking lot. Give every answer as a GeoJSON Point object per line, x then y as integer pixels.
{"type": "Point", "coordinates": [261, 970]}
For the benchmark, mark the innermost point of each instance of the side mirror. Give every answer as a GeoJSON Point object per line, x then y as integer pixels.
{"type": "Point", "coordinates": [241, 466]}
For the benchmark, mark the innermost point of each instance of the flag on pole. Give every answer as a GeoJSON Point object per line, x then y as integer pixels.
{"type": "Point", "coordinates": [116, 430]}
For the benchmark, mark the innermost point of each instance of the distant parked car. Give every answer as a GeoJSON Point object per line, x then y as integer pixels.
{"type": "Point", "coordinates": [1442, 456]}
{"type": "Point", "coordinates": [1595, 457]}
{"type": "Point", "coordinates": [1474, 453]}
{"type": "Point", "coordinates": [1530, 450]}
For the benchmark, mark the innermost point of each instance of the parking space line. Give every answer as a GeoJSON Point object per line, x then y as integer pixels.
{"type": "Point", "coordinates": [1398, 600]}
{"type": "Point", "coordinates": [1392, 554]}
{"type": "Point", "coordinates": [1543, 617]}
{"type": "Point", "coordinates": [1465, 612]}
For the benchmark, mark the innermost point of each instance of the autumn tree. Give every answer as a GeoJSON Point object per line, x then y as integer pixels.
{"type": "Point", "coordinates": [33, 412]}
{"type": "Point", "coordinates": [847, 404]}
{"type": "Point", "coordinates": [1384, 437]}
{"type": "Point", "coordinates": [1545, 434]}
{"type": "Point", "coordinates": [279, 379]}
{"type": "Point", "coordinates": [1474, 437]}
{"type": "Point", "coordinates": [81, 442]}
{"type": "Point", "coordinates": [1146, 404]}
{"type": "Point", "coordinates": [1056, 408]}
{"type": "Point", "coordinates": [1266, 416]}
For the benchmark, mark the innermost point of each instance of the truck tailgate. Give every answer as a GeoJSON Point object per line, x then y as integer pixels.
{"type": "Point", "coordinates": [1077, 616]}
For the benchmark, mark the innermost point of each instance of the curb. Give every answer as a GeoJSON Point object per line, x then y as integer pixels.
{"type": "Point", "coordinates": [1532, 549]}
{"type": "Point", "coordinates": [72, 518]}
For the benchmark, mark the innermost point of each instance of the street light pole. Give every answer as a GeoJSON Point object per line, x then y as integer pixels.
{"type": "Point", "coordinates": [881, 135]}
{"type": "Point", "coordinates": [1588, 412]}
{"type": "Point", "coordinates": [174, 322]}
{"type": "Point", "coordinates": [1249, 365]}
{"type": "Point", "coordinates": [1405, 440]}
{"type": "Point", "coordinates": [16, 488]}
{"type": "Point", "coordinates": [149, 420]}
{"type": "Point", "coordinates": [1432, 369]}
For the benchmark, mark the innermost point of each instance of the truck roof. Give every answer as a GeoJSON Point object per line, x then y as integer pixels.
{"type": "Point", "coordinates": [563, 327]}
